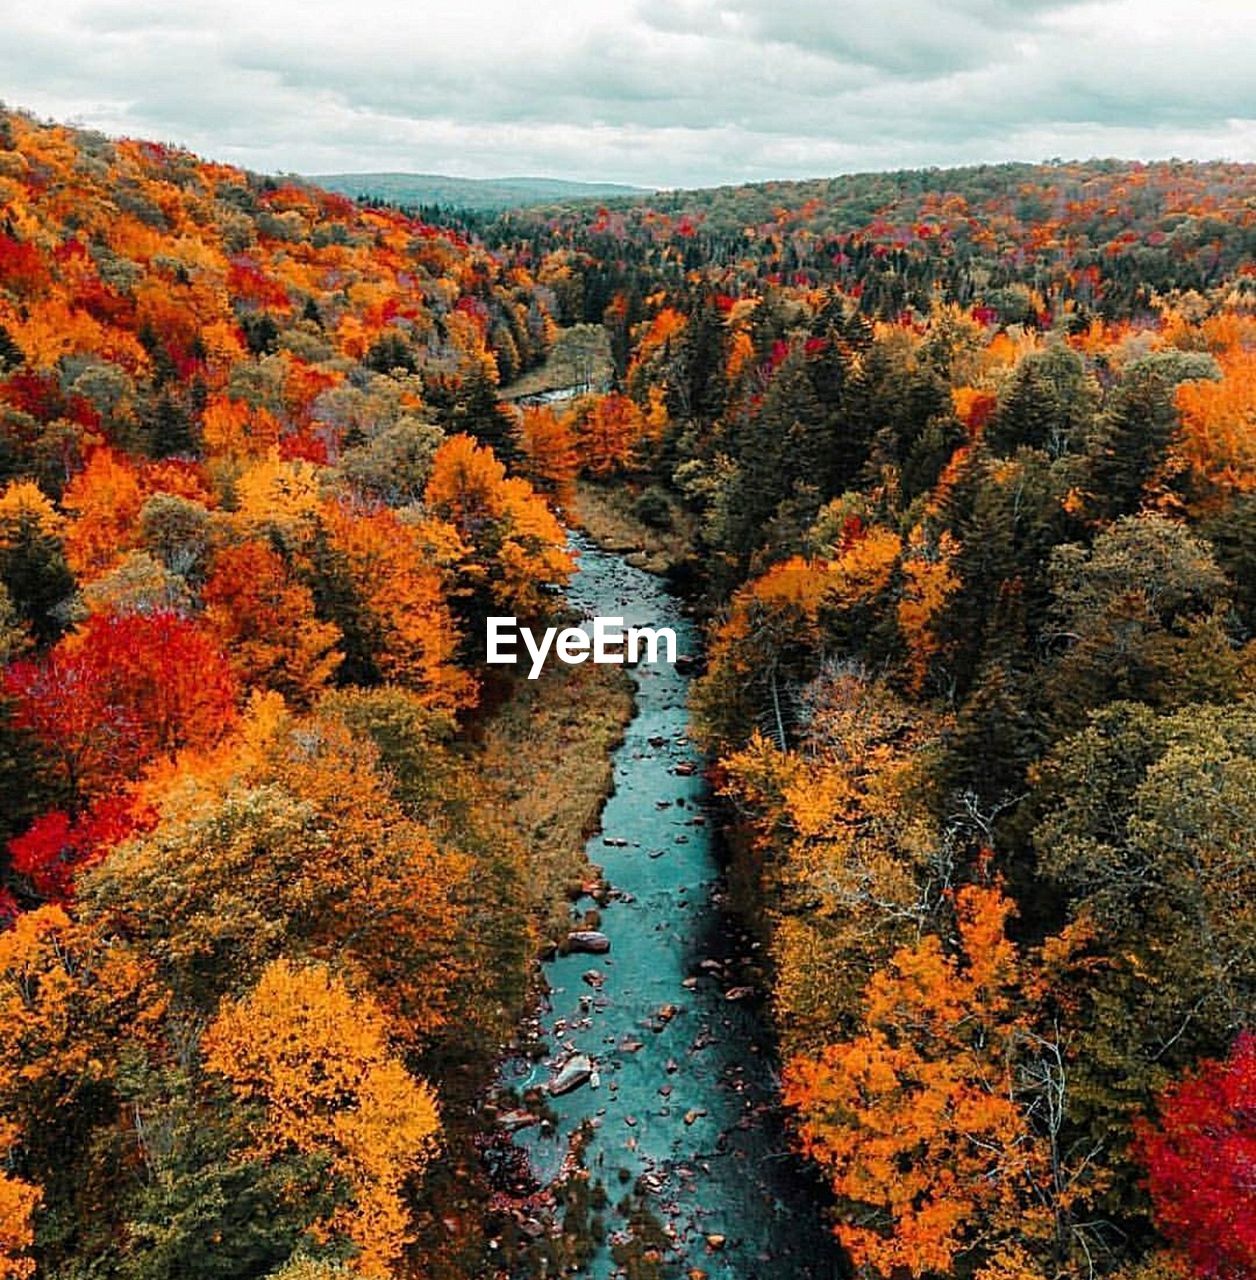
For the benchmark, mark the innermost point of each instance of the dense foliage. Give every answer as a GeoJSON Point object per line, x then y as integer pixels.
{"type": "Point", "coordinates": [264, 933]}
{"type": "Point", "coordinates": [969, 464]}
{"type": "Point", "coordinates": [964, 470]}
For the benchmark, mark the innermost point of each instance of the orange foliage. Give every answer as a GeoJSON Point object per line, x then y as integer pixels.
{"type": "Point", "coordinates": [18, 1202]}
{"type": "Point", "coordinates": [549, 445]}
{"type": "Point", "coordinates": [234, 430]}
{"type": "Point", "coordinates": [267, 625]}
{"type": "Point", "coordinates": [316, 1057]}
{"type": "Point", "coordinates": [403, 608]}
{"type": "Point", "coordinates": [1219, 424]}
{"type": "Point", "coordinates": [104, 500]}
{"type": "Point", "coordinates": [928, 583]}
{"type": "Point", "coordinates": [610, 429]}
{"type": "Point", "coordinates": [918, 1118]}
{"type": "Point", "coordinates": [973, 407]}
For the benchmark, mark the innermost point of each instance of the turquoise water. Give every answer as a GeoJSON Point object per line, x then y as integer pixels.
{"type": "Point", "coordinates": [685, 1095]}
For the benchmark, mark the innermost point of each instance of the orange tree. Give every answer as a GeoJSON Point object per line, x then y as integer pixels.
{"type": "Point", "coordinates": [940, 1122]}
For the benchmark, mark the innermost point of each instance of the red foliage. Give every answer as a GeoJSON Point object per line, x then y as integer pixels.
{"type": "Point", "coordinates": [22, 267]}
{"type": "Point", "coordinates": [249, 281]}
{"type": "Point", "coordinates": [1201, 1164]}
{"type": "Point", "coordinates": [57, 846]}
{"type": "Point", "coordinates": [121, 691]}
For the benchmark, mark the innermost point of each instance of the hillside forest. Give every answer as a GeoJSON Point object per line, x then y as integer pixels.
{"type": "Point", "coordinates": [956, 469]}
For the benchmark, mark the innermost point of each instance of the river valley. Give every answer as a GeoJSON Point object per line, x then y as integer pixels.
{"type": "Point", "coordinates": [680, 1106]}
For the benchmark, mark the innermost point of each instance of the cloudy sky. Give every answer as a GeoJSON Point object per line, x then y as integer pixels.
{"type": "Point", "coordinates": [655, 92]}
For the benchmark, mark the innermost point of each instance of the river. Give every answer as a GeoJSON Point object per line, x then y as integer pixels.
{"type": "Point", "coordinates": [684, 1106]}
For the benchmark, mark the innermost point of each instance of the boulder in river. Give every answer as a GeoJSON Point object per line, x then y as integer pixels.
{"type": "Point", "coordinates": [589, 942]}
{"type": "Point", "coordinates": [576, 1071]}
{"type": "Point", "coordinates": [514, 1120]}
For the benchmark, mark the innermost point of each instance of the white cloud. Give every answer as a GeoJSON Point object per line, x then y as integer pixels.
{"type": "Point", "coordinates": [673, 92]}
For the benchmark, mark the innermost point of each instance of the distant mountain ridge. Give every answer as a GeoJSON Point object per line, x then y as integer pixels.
{"type": "Point", "coordinates": [480, 194]}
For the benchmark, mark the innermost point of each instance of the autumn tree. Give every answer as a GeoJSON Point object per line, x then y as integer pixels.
{"type": "Point", "coordinates": [609, 429]}
{"type": "Point", "coordinates": [71, 1003]}
{"type": "Point", "coordinates": [1199, 1157]}
{"type": "Point", "coordinates": [120, 691]}
{"type": "Point", "coordinates": [18, 1202]}
{"type": "Point", "coordinates": [33, 566]}
{"type": "Point", "coordinates": [265, 620]}
{"type": "Point", "coordinates": [315, 1058]}
{"type": "Point", "coordinates": [57, 847]}
{"type": "Point", "coordinates": [938, 1124]}
{"type": "Point", "coordinates": [378, 580]}
{"type": "Point", "coordinates": [297, 848]}
{"type": "Point", "coordinates": [104, 501]}
{"type": "Point", "coordinates": [517, 546]}
{"type": "Point", "coordinates": [551, 455]}
{"type": "Point", "coordinates": [851, 863]}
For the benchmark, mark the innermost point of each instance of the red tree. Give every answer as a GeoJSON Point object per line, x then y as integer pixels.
{"type": "Point", "coordinates": [57, 846]}
{"type": "Point", "coordinates": [119, 692]}
{"type": "Point", "coordinates": [1201, 1164]}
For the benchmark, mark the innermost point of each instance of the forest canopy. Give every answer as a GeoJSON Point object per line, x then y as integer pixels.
{"type": "Point", "coordinates": [957, 470]}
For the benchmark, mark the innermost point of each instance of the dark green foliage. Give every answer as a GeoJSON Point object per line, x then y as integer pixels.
{"type": "Point", "coordinates": [39, 582]}
{"type": "Point", "coordinates": [1130, 441]}
{"type": "Point", "coordinates": [1048, 405]}
{"type": "Point", "coordinates": [472, 407]}
{"type": "Point", "coordinates": [1146, 823]}
{"type": "Point", "coordinates": [653, 508]}
{"type": "Point", "coordinates": [261, 333]}
{"type": "Point", "coordinates": [390, 352]}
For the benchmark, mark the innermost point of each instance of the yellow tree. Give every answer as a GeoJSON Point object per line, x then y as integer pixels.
{"type": "Point", "coordinates": [315, 1056]}
{"type": "Point", "coordinates": [517, 544]}
{"type": "Point", "coordinates": [69, 1001]}
{"type": "Point", "coordinates": [851, 859]}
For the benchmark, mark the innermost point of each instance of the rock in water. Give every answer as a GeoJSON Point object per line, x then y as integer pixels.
{"type": "Point", "coordinates": [588, 940]}
{"type": "Point", "coordinates": [514, 1120]}
{"type": "Point", "coordinates": [577, 1070]}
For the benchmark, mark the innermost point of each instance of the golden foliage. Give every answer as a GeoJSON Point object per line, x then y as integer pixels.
{"type": "Point", "coordinates": [317, 1059]}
